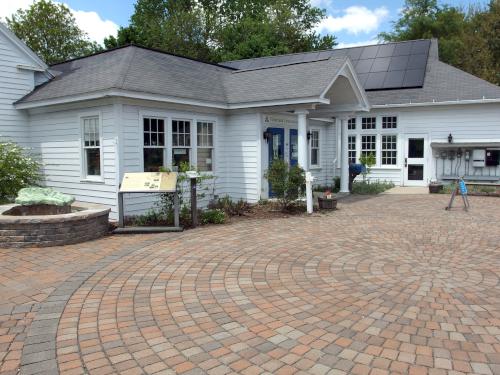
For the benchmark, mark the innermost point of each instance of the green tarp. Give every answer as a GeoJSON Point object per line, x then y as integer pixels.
{"type": "Point", "coordinates": [35, 195]}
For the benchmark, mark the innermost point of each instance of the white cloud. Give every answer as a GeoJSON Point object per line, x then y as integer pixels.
{"type": "Point", "coordinates": [357, 44]}
{"type": "Point", "coordinates": [354, 20]}
{"type": "Point", "coordinates": [90, 22]}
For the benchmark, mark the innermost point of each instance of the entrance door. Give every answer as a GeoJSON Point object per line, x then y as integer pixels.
{"type": "Point", "coordinates": [415, 160]}
{"type": "Point", "coordinates": [294, 147]}
{"type": "Point", "coordinates": [276, 148]}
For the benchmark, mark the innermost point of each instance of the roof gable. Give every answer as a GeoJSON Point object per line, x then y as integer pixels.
{"type": "Point", "coordinates": [35, 62]}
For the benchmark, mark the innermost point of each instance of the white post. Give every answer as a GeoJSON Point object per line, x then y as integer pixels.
{"type": "Point", "coordinates": [344, 160]}
{"type": "Point", "coordinates": [309, 194]}
{"type": "Point", "coordinates": [302, 138]}
{"type": "Point", "coordinates": [302, 157]}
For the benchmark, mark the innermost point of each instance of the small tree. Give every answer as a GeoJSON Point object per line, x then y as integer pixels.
{"type": "Point", "coordinates": [288, 183]}
{"type": "Point", "coordinates": [368, 161]}
{"type": "Point", "coordinates": [18, 169]}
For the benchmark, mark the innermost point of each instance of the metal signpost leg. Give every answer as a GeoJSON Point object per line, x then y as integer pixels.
{"type": "Point", "coordinates": [121, 214]}
{"type": "Point", "coordinates": [176, 210]}
{"type": "Point", "coordinates": [194, 207]}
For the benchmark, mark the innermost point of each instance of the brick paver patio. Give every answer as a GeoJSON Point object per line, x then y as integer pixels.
{"type": "Point", "coordinates": [390, 284]}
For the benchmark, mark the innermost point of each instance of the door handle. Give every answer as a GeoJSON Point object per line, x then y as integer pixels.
{"type": "Point", "coordinates": [406, 162]}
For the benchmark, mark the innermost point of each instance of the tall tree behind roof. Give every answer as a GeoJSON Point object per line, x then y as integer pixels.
{"type": "Point", "coordinates": [50, 30]}
{"type": "Point", "coordinates": [469, 39]}
{"type": "Point", "coordinates": [217, 30]}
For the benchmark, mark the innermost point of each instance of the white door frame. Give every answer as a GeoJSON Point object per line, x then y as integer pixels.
{"type": "Point", "coordinates": [418, 161]}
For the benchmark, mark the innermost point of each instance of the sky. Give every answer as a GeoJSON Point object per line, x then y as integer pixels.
{"type": "Point", "coordinates": [353, 22]}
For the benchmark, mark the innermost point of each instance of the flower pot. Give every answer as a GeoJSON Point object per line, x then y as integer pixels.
{"type": "Point", "coordinates": [435, 188]}
{"type": "Point", "coordinates": [327, 204]}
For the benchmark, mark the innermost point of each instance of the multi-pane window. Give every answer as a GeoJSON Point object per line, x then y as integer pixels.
{"type": "Point", "coordinates": [181, 142]}
{"type": "Point", "coordinates": [368, 123]}
{"type": "Point", "coordinates": [91, 146]}
{"type": "Point", "coordinates": [205, 140]}
{"type": "Point", "coordinates": [389, 149]}
{"type": "Point", "coordinates": [368, 145]}
{"type": "Point", "coordinates": [154, 144]}
{"type": "Point", "coordinates": [315, 148]}
{"type": "Point", "coordinates": [351, 146]}
{"type": "Point", "coordinates": [389, 122]}
{"type": "Point", "coordinates": [351, 124]}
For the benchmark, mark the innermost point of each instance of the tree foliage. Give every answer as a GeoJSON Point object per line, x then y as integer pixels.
{"type": "Point", "coordinates": [50, 30]}
{"type": "Point", "coordinates": [468, 38]}
{"type": "Point", "coordinates": [287, 182]}
{"type": "Point", "coordinates": [217, 30]}
{"type": "Point", "coordinates": [18, 169]}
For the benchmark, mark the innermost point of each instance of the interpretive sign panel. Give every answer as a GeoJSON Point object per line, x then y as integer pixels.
{"type": "Point", "coordinates": [149, 182]}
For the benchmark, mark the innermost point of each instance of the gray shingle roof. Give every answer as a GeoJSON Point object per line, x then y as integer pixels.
{"type": "Point", "coordinates": [270, 78]}
{"type": "Point", "coordinates": [282, 82]}
{"type": "Point", "coordinates": [135, 69]}
{"type": "Point", "coordinates": [146, 71]}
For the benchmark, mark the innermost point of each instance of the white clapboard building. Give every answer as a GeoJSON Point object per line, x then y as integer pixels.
{"type": "Point", "coordinates": [134, 109]}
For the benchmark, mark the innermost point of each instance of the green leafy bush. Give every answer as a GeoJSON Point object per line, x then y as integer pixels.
{"type": "Point", "coordinates": [216, 216]}
{"type": "Point", "coordinates": [18, 169]}
{"type": "Point", "coordinates": [368, 161]}
{"type": "Point", "coordinates": [367, 188]}
{"type": "Point", "coordinates": [288, 183]}
{"type": "Point", "coordinates": [230, 207]}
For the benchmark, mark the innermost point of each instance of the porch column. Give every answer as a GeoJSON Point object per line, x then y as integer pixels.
{"type": "Point", "coordinates": [302, 138]}
{"type": "Point", "coordinates": [344, 160]}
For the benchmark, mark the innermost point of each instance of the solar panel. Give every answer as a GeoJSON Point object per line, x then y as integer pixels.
{"type": "Point", "coordinates": [383, 66]}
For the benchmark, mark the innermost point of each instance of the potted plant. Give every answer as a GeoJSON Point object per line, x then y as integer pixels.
{"type": "Point", "coordinates": [435, 187]}
{"type": "Point", "coordinates": [328, 201]}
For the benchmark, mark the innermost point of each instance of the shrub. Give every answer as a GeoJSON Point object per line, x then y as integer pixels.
{"type": "Point", "coordinates": [18, 169]}
{"type": "Point", "coordinates": [216, 216]}
{"type": "Point", "coordinates": [229, 207]}
{"type": "Point", "coordinates": [368, 161]}
{"type": "Point", "coordinates": [367, 188]}
{"type": "Point", "coordinates": [288, 183]}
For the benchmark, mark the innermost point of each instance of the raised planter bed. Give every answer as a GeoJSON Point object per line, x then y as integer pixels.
{"type": "Point", "coordinates": [85, 222]}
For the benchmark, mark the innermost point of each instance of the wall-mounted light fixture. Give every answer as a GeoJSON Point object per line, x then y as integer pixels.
{"type": "Point", "coordinates": [450, 138]}
{"type": "Point", "coordinates": [308, 136]}
{"type": "Point", "coordinates": [268, 134]}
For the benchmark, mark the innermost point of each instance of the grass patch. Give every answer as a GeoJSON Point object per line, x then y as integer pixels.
{"type": "Point", "coordinates": [371, 188]}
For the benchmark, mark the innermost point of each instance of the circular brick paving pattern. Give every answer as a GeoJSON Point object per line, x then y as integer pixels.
{"type": "Point", "coordinates": [393, 284]}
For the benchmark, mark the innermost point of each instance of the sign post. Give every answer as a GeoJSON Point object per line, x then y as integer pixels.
{"type": "Point", "coordinates": [144, 183]}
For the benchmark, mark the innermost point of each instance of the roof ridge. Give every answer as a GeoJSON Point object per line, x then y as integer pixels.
{"type": "Point", "coordinates": [126, 63]}
{"type": "Point", "coordinates": [323, 50]}
{"type": "Point", "coordinates": [289, 64]}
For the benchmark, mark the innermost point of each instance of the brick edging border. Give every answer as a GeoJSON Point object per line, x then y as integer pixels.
{"type": "Point", "coordinates": [39, 350]}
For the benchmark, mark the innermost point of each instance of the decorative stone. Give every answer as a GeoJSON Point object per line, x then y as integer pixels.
{"type": "Point", "coordinates": [38, 196]}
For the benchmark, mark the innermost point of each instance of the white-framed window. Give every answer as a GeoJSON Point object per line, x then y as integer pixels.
{"type": "Point", "coordinates": [389, 122]}
{"type": "Point", "coordinates": [154, 143]}
{"type": "Point", "coordinates": [315, 148]}
{"type": "Point", "coordinates": [368, 123]}
{"type": "Point", "coordinates": [351, 124]}
{"type": "Point", "coordinates": [205, 145]}
{"type": "Point", "coordinates": [91, 147]}
{"type": "Point", "coordinates": [351, 146]}
{"type": "Point", "coordinates": [389, 149]}
{"type": "Point", "coordinates": [181, 142]}
{"type": "Point", "coordinates": [369, 145]}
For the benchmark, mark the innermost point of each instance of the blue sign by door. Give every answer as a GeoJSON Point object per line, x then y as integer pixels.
{"type": "Point", "coordinates": [276, 148]}
{"type": "Point", "coordinates": [294, 147]}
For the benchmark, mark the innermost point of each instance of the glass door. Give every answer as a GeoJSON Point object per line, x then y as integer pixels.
{"type": "Point", "coordinates": [415, 161]}
{"type": "Point", "coordinates": [276, 148]}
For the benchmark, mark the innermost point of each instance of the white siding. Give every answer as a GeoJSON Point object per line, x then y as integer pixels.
{"type": "Point", "coordinates": [56, 137]}
{"type": "Point", "coordinates": [14, 84]}
{"type": "Point", "coordinates": [467, 123]}
{"type": "Point", "coordinates": [131, 129]}
{"type": "Point", "coordinates": [240, 152]}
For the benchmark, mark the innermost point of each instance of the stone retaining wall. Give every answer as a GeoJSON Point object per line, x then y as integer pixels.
{"type": "Point", "coordinates": [88, 223]}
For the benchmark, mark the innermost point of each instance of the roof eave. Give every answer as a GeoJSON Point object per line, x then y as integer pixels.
{"type": "Point", "coordinates": [161, 98]}
{"type": "Point", "coordinates": [437, 103]}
